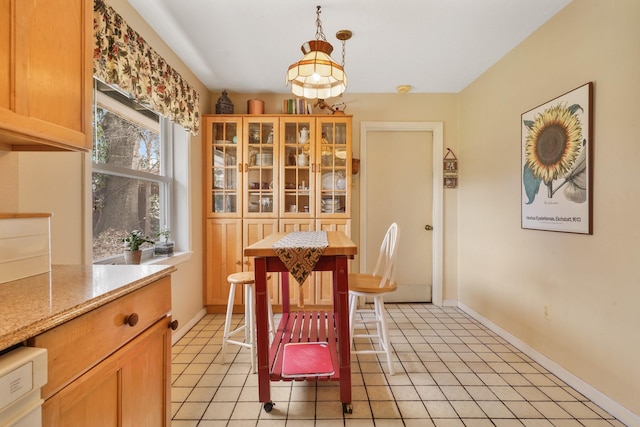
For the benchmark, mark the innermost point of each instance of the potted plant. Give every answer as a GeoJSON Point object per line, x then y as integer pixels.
{"type": "Point", "coordinates": [164, 246]}
{"type": "Point", "coordinates": [132, 243]}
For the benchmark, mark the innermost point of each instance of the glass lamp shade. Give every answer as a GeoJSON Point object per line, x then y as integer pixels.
{"type": "Point", "coordinates": [316, 75]}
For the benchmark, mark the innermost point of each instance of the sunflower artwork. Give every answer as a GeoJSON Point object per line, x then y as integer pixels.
{"type": "Point", "coordinates": [556, 179]}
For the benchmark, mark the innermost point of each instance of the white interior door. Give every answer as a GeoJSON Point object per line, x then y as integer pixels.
{"type": "Point", "coordinates": [401, 193]}
{"type": "Point", "coordinates": [399, 184]}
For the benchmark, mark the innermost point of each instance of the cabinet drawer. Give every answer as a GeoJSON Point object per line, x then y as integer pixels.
{"type": "Point", "coordinates": [79, 344]}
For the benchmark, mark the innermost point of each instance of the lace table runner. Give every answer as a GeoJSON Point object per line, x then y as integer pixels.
{"type": "Point", "coordinates": [300, 251]}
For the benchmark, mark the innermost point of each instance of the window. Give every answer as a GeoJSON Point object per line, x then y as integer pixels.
{"type": "Point", "coordinates": [132, 173]}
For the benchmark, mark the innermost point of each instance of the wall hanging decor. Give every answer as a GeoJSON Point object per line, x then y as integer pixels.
{"type": "Point", "coordinates": [450, 169]}
{"type": "Point", "coordinates": [557, 147]}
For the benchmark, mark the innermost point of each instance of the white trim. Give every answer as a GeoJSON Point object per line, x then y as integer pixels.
{"type": "Point", "coordinates": [126, 112]}
{"type": "Point", "coordinates": [175, 337]}
{"type": "Point", "coordinates": [596, 396]}
{"type": "Point", "coordinates": [437, 217]}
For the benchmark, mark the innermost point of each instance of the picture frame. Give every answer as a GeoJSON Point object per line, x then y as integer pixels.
{"type": "Point", "coordinates": [557, 164]}
{"type": "Point", "coordinates": [450, 165]}
{"type": "Point", "coordinates": [450, 170]}
{"type": "Point", "coordinates": [450, 182]}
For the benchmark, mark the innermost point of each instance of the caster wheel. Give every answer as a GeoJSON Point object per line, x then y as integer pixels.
{"type": "Point", "coordinates": [347, 408]}
{"type": "Point", "coordinates": [268, 406]}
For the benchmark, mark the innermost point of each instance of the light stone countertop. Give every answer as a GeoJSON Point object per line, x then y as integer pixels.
{"type": "Point", "coordinates": [36, 304]}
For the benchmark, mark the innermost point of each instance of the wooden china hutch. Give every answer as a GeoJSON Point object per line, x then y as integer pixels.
{"type": "Point", "coordinates": [269, 173]}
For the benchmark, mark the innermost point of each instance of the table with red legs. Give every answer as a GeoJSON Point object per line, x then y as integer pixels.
{"type": "Point", "coordinates": [330, 327]}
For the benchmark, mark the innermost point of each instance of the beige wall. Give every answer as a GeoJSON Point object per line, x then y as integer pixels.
{"type": "Point", "coordinates": [591, 283]}
{"type": "Point", "coordinates": [8, 181]}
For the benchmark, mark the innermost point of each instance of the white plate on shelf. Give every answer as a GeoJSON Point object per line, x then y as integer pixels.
{"type": "Point", "coordinates": [334, 181]}
{"type": "Point", "coordinates": [218, 158]}
{"type": "Point", "coordinates": [328, 181]}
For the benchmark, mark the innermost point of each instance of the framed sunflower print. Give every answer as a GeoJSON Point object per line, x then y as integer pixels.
{"type": "Point", "coordinates": [557, 163]}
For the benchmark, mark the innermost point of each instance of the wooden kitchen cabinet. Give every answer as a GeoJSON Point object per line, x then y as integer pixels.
{"type": "Point", "coordinates": [107, 367]}
{"type": "Point", "coordinates": [46, 74]}
{"type": "Point", "coordinates": [223, 256]}
{"type": "Point", "coordinates": [225, 239]}
{"type": "Point", "coordinates": [269, 173]}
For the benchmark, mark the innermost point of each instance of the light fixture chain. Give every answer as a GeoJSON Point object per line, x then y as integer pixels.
{"type": "Point", "coordinates": [319, 32]}
{"type": "Point", "coordinates": [344, 51]}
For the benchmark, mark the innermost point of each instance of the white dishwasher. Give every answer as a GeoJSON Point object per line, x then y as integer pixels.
{"type": "Point", "coordinates": [23, 371]}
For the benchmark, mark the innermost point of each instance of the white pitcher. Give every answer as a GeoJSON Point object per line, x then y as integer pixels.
{"type": "Point", "coordinates": [304, 135]}
{"type": "Point", "coordinates": [303, 159]}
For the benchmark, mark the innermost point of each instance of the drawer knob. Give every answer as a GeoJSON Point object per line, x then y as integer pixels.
{"type": "Point", "coordinates": [131, 320]}
{"type": "Point", "coordinates": [173, 325]}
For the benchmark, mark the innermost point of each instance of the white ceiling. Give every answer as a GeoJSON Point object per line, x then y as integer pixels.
{"type": "Point", "coordinates": [246, 46]}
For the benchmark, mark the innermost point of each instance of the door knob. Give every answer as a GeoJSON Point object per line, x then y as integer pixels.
{"type": "Point", "coordinates": [428, 227]}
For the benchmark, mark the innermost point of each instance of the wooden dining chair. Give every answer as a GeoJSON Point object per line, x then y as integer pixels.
{"type": "Point", "coordinates": [374, 286]}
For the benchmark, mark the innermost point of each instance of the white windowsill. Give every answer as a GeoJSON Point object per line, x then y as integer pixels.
{"type": "Point", "coordinates": [149, 259]}
{"type": "Point", "coordinates": [175, 259]}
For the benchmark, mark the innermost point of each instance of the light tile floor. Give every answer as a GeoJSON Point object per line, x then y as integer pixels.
{"type": "Point", "coordinates": [450, 372]}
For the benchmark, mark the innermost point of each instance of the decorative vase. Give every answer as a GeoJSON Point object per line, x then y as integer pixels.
{"type": "Point", "coordinates": [132, 257]}
{"type": "Point", "coordinates": [224, 104]}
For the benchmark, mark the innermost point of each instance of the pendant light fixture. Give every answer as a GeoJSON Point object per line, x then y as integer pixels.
{"type": "Point", "coordinates": [316, 75]}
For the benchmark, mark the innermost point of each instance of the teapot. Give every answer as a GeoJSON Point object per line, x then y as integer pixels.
{"type": "Point", "coordinates": [304, 135]}
{"type": "Point", "coordinates": [303, 159]}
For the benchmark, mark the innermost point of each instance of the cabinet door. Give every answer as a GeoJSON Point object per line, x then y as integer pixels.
{"type": "Point", "coordinates": [297, 167]}
{"type": "Point", "coordinates": [253, 231]}
{"type": "Point", "coordinates": [223, 256]}
{"type": "Point", "coordinates": [261, 167]}
{"type": "Point", "coordinates": [146, 373]}
{"type": "Point", "coordinates": [299, 296]}
{"type": "Point", "coordinates": [47, 96]}
{"type": "Point", "coordinates": [129, 388]}
{"type": "Point", "coordinates": [5, 54]}
{"type": "Point", "coordinates": [333, 179]}
{"type": "Point", "coordinates": [222, 166]}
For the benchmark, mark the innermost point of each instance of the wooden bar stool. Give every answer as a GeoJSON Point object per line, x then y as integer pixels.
{"type": "Point", "coordinates": [246, 278]}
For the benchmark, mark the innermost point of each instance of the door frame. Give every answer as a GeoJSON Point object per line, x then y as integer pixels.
{"type": "Point", "coordinates": [436, 128]}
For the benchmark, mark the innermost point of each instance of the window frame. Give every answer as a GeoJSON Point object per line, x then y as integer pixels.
{"type": "Point", "coordinates": [165, 179]}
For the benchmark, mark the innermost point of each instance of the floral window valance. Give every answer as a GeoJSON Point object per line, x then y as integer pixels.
{"type": "Point", "coordinates": [122, 57]}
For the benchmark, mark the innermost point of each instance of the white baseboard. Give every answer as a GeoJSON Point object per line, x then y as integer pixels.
{"type": "Point", "coordinates": [597, 397]}
{"type": "Point", "coordinates": [186, 327]}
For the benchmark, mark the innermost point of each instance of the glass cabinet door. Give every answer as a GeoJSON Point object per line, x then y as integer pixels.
{"type": "Point", "coordinates": [297, 167]}
{"type": "Point", "coordinates": [261, 160]}
{"type": "Point", "coordinates": [334, 170]}
{"type": "Point", "coordinates": [225, 163]}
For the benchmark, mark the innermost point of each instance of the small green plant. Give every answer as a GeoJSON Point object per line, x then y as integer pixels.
{"type": "Point", "coordinates": [164, 235]}
{"type": "Point", "coordinates": [134, 240]}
